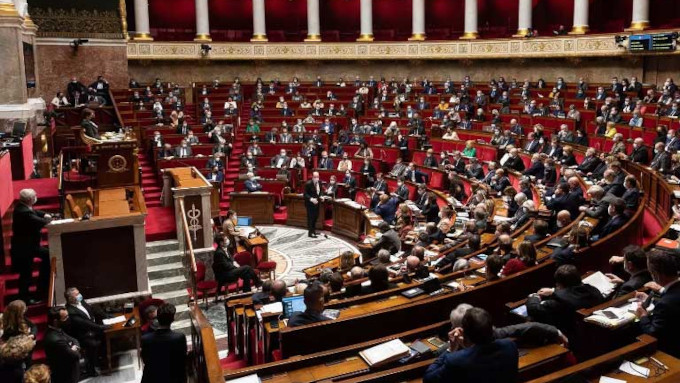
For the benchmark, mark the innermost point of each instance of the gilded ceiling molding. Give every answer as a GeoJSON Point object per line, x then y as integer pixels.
{"type": "Point", "coordinates": [552, 47]}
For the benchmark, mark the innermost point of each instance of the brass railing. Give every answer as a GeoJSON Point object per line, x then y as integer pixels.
{"type": "Point", "coordinates": [189, 255]}
{"type": "Point", "coordinates": [51, 292]}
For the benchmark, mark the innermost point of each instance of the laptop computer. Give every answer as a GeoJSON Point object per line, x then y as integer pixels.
{"type": "Point", "coordinates": [292, 305]}
{"type": "Point", "coordinates": [244, 221]}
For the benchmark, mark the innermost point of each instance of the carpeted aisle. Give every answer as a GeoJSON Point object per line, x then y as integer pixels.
{"type": "Point", "coordinates": [160, 223]}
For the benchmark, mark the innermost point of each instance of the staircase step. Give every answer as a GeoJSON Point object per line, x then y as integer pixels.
{"type": "Point", "coordinates": [183, 326]}
{"type": "Point", "coordinates": [163, 257]}
{"type": "Point", "coordinates": [175, 297]}
{"type": "Point", "coordinates": [162, 285]}
{"type": "Point", "coordinates": [165, 270]}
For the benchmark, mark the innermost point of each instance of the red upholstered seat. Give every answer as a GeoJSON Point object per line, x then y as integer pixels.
{"type": "Point", "coordinates": [204, 287]}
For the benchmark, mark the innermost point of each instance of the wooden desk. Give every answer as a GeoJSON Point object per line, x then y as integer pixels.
{"type": "Point", "coordinates": [333, 264]}
{"type": "Point", "coordinates": [607, 365]}
{"type": "Point", "coordinates": [259, 206]}
{"type": "Point", "coordinates": [112, 208]}
{"type": "Point", "coordinates": [119, 330]}
{"type": "Point", "coordinates": [258, 242]}
{"type": "Point", "coordinates": [116, 194]}
{"type": "Point", "coordinates": [347, 220]}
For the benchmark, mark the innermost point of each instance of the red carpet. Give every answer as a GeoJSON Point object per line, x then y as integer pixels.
{"type": "Point", "coordinates": [160, 223]}
{"type": "Point", "coordinates": [46, 188]}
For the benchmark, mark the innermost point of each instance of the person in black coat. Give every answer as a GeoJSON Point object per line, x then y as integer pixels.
{"type": "Point", "coordinates": [514, 162]}
{"type": "Point", "coordinates": [639, 154]}
{"type": "Point", "coordinates": [314, 303]}
{"type": "Point", "coordinates": [662, 323]}
{"type": "Point", "coordinates": [431, 210]}
{"type": "Point", "coordinates": [86, 326]}
{"type": "Point", "coordinates": [617, 207]}
{"type": "Point", "coordinates": [350, 183]}
{"type": "Point", "coordinates": [557, 306]}
{"type": "Point", "coordinates": [26, 226]}
{"type": "Point", "coordinates": [227, 272]}
{"type": "Point", "coordinates": [415, 175]}
{"type": "Point", "coordinates": [91, 129]}
{"type": "Point", "coordinates": [589, 163]}
{"type": "Point", "coordinates": [312, 193]}
{"type": "Point", "coordinates": [401, 191]}
{"type": "Point", "coordinates": [632, 194]}
{"type": "Point", "coordinates": [62, 351]}
{"type": "Point", "coordinates": [536, 169]}
{"type": "Point", "coordinates": [389, 240]}
{"type": "Point", "coordinates": [164, 351]}
{"type": "Point", "coordinates": [634, 262]}
{"type": "Point", "coordinates": [500, 181]}
{"type": "Point", "coordinates": [564, 200]}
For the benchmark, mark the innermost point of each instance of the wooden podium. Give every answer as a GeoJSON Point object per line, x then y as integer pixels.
{"type": "Point", "coordinates": [116, 163]}
{"type": "Point", "coordinates": [297, 212]}
{"type": "Point", "coordinates": [190, 185]}
{"type": "Point", "coordinates": [348, 220]}
{"type": "Point", "coordinates": [259, 206]}
{"type": "Point", "coordinates": [104, 256]}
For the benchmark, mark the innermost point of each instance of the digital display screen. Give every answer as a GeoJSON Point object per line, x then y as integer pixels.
{"type": "Point", "coordinates": [661, 42]}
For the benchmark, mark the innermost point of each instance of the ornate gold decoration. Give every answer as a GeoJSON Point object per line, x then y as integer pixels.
{"type": "Point", "coordinates": [539, 47]}
{"type": "Point", "coordinates": [469, 36]}
{"type": "Point", "coordinates": [521, 33]}
{"type": "Point", "coordinates": [123, 19]}
{"type": "Point", "coordinates": [417, 37]}
{"type": "Point", "coordinates": [117, 164]}
{"type": "Point", "coordinates": [142, 36]}
{"type": "Point", "coordinates": [202, 37]}
{"type": "Point", "coordinates": [313, 38]}
{"type": "Point", "coordinates": [77, 23]}
{"type": "Point", "coordinates": [8, 9]}
{"type": "Point", "coordinates": [365, 37]}
{"type": "Point", "coordinates": [579, 30]}
{"type": "Point", "coordinates": [28, 23]}
{"type": "Point", "coordinates": [638, 26]}
{"type": "Point", "coordinates": [259, 38]}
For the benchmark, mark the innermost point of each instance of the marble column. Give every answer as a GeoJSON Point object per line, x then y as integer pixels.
{"type": "Point", "coordinates": [470, 20]}
{"type": "Point", "coordinates": [524, 19]}
{"type": "Point", "coordinates": [202, 21]}
{"type": "Point", "coordinates": [640, 20]}
{"type": "Point", "coordinates": [418, 21]}
{"type": "Point", "coordinates": [580, 26]}
{"type": "Point", "coordinates": [313, 23]}
{"type": "Point", "coordinates": [12, 71]}
{"type": "Point", "coordinates": [259, 26]}
{"type": "Point", "coordinates": [366, 21]}
{"type": "Point", "coordinates": [143, 30]}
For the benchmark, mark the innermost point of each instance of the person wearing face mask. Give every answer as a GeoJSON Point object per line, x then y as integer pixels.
{"type": "Point", "coordinates": [402, 191]}
{"type": "Point", "coordinates": [184, 150]}
{"type": "Point", "coordinates": [62, 350]}
{"type": "Point", "coordinates": [248, 160]}
{"type": "Point", "coordinates": [617, 207]}
{"type": "Point", "coordinates": [312, 194]}
{"type": "Point", "coordinates": [325, 163]}
{"type": "Point", "coordinates": [86, 326]}
{"type": "Point", "coordinates": [227, 271]}
{"type": "Point", "coordinates": [350, 183]}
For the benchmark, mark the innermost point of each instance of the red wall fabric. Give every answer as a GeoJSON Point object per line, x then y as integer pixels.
{"type": "Point", "coordinates": [27, 155]}
{"type": "Point", "coordinates": [6, 189]}
{"type": "Point", "coordinates": [231, 20]}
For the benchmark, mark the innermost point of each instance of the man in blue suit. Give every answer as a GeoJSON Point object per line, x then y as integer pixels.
{"type": "Point", "coordinates": [251, 184]}
{"type": "Point", "coordinates": [482, 360]}
{"type": "Point", "coordinates": [387, 208]}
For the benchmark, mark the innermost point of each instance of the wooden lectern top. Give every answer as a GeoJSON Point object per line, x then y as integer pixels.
{"type": "Point", "coordinates": [188, 178]}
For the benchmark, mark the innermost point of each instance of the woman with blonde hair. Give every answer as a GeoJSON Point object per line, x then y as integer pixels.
{"type": "Point", "coordinates": [14, 321]}
{"type": "Point", "coordinates": [346, 261]}
{"type": "Point", "coordinates": [469, 150]}
{"type": "Point", "coordinates": [38, 373]}
{"type": "Point", "coordinates": [525, 259]}
{"type": "Point", "coordinates": [610, 132]}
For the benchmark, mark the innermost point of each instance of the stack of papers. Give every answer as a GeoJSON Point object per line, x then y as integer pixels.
{"type": "Point", "coordinates": [114, 320]}
{"type": "Point", "coordinates": [246, 379]}
{"type": "Point", "coordinates": [272, 308]}
{"type": "Point", "coordinates": [613, 317]}
{"type": "Point", "coordinates": [600, 282]}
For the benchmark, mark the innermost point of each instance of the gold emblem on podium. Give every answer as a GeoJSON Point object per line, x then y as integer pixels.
{"type": "Point", "coordinates": [117, 164]}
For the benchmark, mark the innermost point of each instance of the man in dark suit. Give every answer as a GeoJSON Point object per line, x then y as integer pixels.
{"type": "Point", "coordinates": [312, 193]}
{"type": "Point", "coordinates": [314, 302]}
{"type": "Point", "coordinates": [536, 169]}
{"type": "Point", "coordinates": [26, 226]}
{"type": "Point", "coordinates": [514, 161]}
{"type": "Point", "coordinates": [91, 129]}
{"type": "Point", "coordinates": [639, 155]}
{"type": "Point", "coordinates": [164, 351]}
{"type": "Point", "coordinates": [634, 262]}
{"type": "Point", "coordinates": [590, 162]}
{"type": "Point", "coordinates": [558, 306]}
{"type": "Point", "coordinates": [251, 184]}
{"type": "Point", "coordinates": [386, 208]}
{"type": "Point", "coordinates": [350, 183]}
{"type": "Point", "coordinates": [402, 191]}
{"type": "Point", "coordinates": [500, 181]}
{"type": "Point", "coordinates": [554, 150]}
{"type": "Point", "coordinates": [325, 162]}
{"type": "Point", "coordinates": [616, 210]}
{"type": "Point", "coordinates": [183, 150]}
{"type": "Point", "coordinates": [280, 159]}
{"type": "Point", "coordinates": [227, 272]}
{"type": "Point", "coordinates": [415, 175]}
{"type": "Point", "coordinates": [389, 240]}
{"type": "Point", "coordinates": [62, 350]}
{"type": "Point", "coordinates": [662, 159]}
{"type": "Point", "coordinates": [474, 169]}
{"type": "Point", "coordinates": [486, 359]}
{"type": "Point", "coordinates": [564, 200]}
{"type": "Point", "coordinates": [662, 323]}
{"type": "Point", "coordinates": [86, 326]}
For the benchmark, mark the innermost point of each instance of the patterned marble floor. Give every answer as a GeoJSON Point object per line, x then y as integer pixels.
{"type": "Point", "coordinates": [293, 251]}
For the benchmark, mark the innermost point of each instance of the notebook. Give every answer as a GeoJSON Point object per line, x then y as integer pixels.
{"type": "Point", "coordinates": [385, 353]}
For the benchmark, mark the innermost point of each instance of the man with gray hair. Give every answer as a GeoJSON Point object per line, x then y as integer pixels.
{"type": "Point", "coordinates": [529, 333]}
{"type": "Point", "coordinates": [26, 226]}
